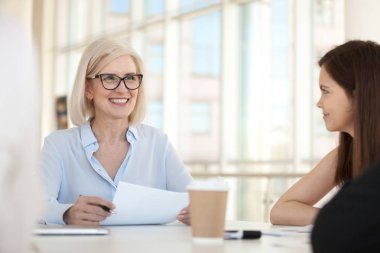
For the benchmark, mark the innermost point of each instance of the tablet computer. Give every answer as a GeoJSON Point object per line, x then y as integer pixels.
{"type": "Point", "coordinates": [69, 230]}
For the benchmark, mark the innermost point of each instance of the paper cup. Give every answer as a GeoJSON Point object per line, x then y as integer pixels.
{"type": "Point", "coordinates": [208, 201]}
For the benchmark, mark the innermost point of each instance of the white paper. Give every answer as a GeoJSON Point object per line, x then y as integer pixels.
{"type": "Point", "coordinates": [290, 237]}
{"type": "Point", "coordinates": [289, 231]}
{"type": "Point", "coordinates": [136, 204]}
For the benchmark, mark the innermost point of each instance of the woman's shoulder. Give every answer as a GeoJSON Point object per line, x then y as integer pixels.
{"type": "Point", "coordinates": [63, 135]}
{"type": "Point", "coordinates": [147, 131]}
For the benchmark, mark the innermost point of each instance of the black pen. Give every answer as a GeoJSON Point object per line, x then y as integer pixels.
{"type": "Point", "coordinates": [107, 209]}
{"type": "Point", "coordinates": [242, 234]}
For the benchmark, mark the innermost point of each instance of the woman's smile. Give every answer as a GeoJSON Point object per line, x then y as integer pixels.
{"type": "Point", "coordinates": [119, 101]}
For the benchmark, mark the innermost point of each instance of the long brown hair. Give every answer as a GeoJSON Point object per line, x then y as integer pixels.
{"type": "Point", "coordinates": [355, 66]}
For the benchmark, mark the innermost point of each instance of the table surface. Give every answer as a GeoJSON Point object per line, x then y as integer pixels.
{"type": "Point", "coordinates": [176, 237]}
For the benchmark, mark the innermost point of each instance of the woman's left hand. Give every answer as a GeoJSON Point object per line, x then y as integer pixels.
{"type": "Point", "coordinates": [184, 216]}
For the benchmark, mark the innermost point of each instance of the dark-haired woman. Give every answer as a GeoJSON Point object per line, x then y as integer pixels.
{"type": "Point", "coordinates": [350, 90]}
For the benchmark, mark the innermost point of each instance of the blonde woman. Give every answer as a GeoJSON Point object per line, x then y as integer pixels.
{"type": "Point", "coordinates": [82, 166]}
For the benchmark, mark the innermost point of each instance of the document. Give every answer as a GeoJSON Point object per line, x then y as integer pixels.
{"type": "Point", "coordinates": [290, 237]}
{"type": "Point", "coordinates": [288, 231]}
{"type": "Point", "coordinates": [138, 205]}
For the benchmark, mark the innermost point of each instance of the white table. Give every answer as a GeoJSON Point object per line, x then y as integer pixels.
{"type": "Point", "coordinates": [174, 238]}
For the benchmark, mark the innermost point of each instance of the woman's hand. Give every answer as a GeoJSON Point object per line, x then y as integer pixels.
{"type": "Point", "coordinates": [184, 216]}
{"type": "Point", "coordinates": [88, 211]}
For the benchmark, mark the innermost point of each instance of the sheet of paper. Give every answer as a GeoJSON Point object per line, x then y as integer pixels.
{"type": "Point", "coordinates": [296, 229]}
{"type": "Point", "coordinates": [290, 237]}
{"type": "Point", "coordinates": [289, 231]}
{"type": "Point", "coordinates": [136, 204]}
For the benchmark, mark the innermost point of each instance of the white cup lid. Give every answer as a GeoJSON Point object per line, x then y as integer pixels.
{"type": "Point", "coordinates": [214, 184]}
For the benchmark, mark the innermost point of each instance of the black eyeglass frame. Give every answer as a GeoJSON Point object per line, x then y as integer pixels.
{"type": "Point", "coordinates": [140, 76]}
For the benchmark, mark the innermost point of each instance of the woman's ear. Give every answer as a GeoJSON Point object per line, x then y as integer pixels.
{"type": "Point", "coordinates": [88, 90]}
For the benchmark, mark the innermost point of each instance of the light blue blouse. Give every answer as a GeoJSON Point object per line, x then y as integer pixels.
{"type": "Point", "coordinates": [69, 168]}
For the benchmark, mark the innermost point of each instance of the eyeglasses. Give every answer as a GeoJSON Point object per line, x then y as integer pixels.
{"type": "Point", "coordinates": [112, 81]}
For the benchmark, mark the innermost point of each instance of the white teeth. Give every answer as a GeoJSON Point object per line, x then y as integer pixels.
{"type": "Point", "coordinates": [119, 100]}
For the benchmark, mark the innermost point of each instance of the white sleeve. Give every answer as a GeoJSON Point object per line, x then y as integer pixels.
{"type": "Point", "coordinates": [177, 176]}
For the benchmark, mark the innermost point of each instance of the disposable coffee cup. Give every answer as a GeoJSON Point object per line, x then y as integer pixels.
{"type": "Point", "coordinates": [208, 200]}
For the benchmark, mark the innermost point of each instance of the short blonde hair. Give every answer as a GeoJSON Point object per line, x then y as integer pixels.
{"type": "Point", "coordinates": [95, 57]}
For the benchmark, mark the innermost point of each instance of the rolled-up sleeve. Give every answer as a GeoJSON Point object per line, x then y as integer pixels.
{"type": "Point", "coordinates": [177, 176]}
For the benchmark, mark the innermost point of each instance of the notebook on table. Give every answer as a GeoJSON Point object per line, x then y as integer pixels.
{"type": "Point", "coordinates": [69, 230]}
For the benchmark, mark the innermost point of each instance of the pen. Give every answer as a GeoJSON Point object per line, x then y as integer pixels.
{"type": "Point", "coordinates": [107, 209]}
{"type": "Point", "coordinates": [242, 234]}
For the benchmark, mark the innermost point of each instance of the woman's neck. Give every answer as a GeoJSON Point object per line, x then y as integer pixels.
{"type": "Point", "coordinates": [109, 131]}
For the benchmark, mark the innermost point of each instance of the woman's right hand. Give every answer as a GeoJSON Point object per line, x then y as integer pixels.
{"type": "Point", "coordinates": [88, 211]}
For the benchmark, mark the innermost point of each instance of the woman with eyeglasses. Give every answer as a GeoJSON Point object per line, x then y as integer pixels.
{"type": "Point", "coordinates": [82, 166]}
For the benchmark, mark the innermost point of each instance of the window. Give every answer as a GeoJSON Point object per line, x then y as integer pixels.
{"type": "Point", "coordinates": [119, 6]}
{"type": "Point", "coordinates": [153, 74]}
{"type": "Point", "coordinates": [155, 113]}
{"type": "Point", "coordinates": [154, 7]}
{"type": "Point", "coordinates": [113, 18]}
{"type": "Point", "coordinates": [155, 58]}
{"type": "Point", "coordinates": [200, 118]}
{"type": "Point", "coordinates": [191, 5]}
{"type": "Point", "coordinates": [206, 44]}
{"type": "Point", "coordinates": [200, 80]}
{"type": "Point", "coordinates": [324, 12]}
{"type": "Point", "coordinates": [72, 65]}
{"type": "Point", "coordinates": [328, 32]}
{"type": "Point", "coordinates": [265, 91]}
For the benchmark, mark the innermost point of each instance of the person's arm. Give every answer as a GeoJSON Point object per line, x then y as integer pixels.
{"type": "Point", "coordinates": [51, 177]}
{"type": "Point", "coordinates": [177, 177]}
{"type": "Point", "coordinates": [86, 210]}
{"type": "Point", "coordinates": [184, 216]}
{"type": "Point", "coordinates": [350, 222]}
{"type": "Point", "coordinates": [295, 207]}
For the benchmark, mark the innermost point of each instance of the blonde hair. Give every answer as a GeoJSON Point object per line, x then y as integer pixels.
{"type": "Point", "coordinates": [95, 57]}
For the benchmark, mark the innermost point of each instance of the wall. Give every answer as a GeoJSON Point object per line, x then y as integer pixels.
{"type": "Point", "coordinates": [20, 10]}
{"type": "Point", "coordinates": [362, 20]}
